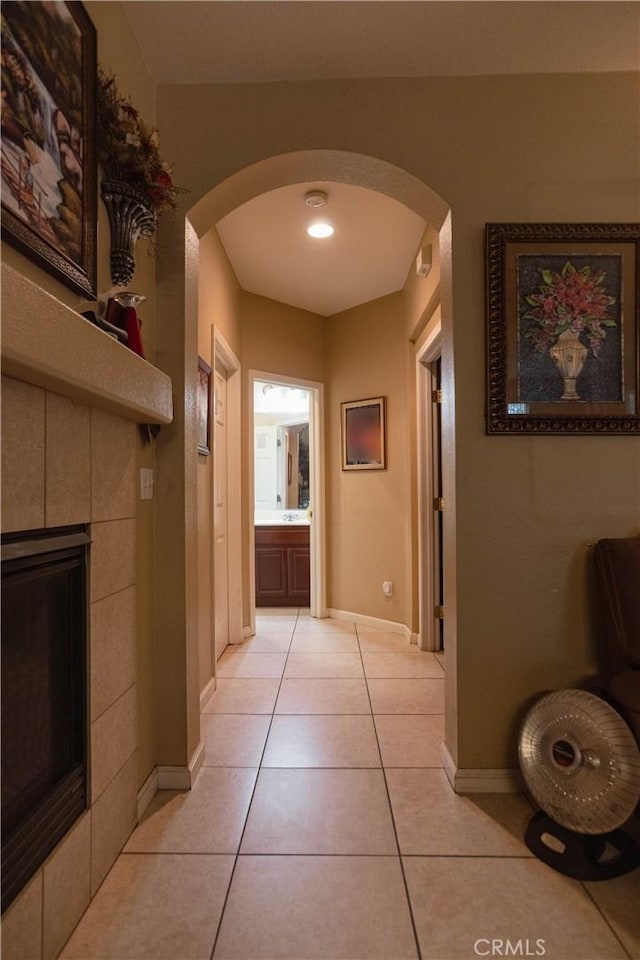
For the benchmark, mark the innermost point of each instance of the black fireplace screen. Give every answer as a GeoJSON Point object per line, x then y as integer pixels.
{"type": "Point", "coordinates": [44, 696]}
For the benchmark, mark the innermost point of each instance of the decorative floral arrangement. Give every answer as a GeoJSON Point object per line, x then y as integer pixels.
{"type": "Point", "coordinates": [128, 148]}
{"type": "Point", "coordinates": [570, 300]}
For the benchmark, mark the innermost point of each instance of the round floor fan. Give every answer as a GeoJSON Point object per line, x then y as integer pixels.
{"type": "Point", "coordinates": [581, 764]}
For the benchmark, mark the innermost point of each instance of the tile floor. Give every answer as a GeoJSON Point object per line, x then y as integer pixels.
{"type": "Point", "coordinates": [322, 826]}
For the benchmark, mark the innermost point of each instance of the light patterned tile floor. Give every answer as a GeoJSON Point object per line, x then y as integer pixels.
{"type": "Point", "coordinates": [322, 826]}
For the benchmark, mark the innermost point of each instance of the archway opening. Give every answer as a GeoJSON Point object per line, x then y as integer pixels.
{"type": "Point", "coordinates": [389, 180]}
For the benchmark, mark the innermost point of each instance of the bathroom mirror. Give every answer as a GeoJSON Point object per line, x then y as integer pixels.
{"type": "Point", "coordinates": [281, 450]}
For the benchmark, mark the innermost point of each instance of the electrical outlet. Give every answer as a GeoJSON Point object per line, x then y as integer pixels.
{"type": "Point", "coordinates": [146, 483]}
{"type": "Point", "coordinates": [387, 588]}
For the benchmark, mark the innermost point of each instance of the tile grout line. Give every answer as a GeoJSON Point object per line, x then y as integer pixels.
{"type": "Point", "coordinates": [253, 792]}
{"type": "Point", "coordinates": [338, 856]}
{"type": "Point", "coordinates": [604, 917]}
{"type": "Point", "coordinates": [393, 820]}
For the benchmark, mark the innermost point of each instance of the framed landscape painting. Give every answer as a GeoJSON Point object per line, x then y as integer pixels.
{"type": "Point", "coordinates": [364, 444]}
{"type": "Point", "coordinates": [563, 330]}
{"type": "Point", "coordinates": [48, 138]}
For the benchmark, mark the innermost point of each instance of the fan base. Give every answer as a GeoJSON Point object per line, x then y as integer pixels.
{"type": "Point", "coordinates": [584, 857]}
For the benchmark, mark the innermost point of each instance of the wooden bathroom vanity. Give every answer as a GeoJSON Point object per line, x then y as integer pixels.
{"type": "Point", "coordinates": [282, 565]}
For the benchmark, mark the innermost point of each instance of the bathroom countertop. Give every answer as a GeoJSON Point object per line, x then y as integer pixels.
{"type": "Point", "coordinates": [273, 518]}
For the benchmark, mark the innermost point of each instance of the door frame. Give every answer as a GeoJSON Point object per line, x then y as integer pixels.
{"type": "Point", "coordinates": [317, 543]}
{"type": "Point", "coordinates": [222, 354]}
{"type": "Point", "coordinates": [428, 349]}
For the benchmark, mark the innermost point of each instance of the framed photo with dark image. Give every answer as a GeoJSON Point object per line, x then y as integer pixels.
{"type": "Point", "coordinates": [562, 328]}
{"type": "Point", "coordinates": [49, 199]}
{"type": "Point", "coordinates": [364, 442]}
{"type": "Point", "coordinates": [204, 407]}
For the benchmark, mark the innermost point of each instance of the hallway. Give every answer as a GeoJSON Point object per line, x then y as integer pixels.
{"type": "Point", "coordinates": [322, 826]}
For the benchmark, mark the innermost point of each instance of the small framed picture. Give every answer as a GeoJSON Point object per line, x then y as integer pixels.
{"type": "Point", "coordinates": [204, 407]}
{"type": "Point", "coordinates": [364, 442]}
{"type": "Point", "coordinates": [563, 330]}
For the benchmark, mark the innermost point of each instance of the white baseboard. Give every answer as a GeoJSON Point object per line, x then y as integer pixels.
{"type": "Point", "coordinates": [376, 623]}
{"type": "Point", "coordinates": [481, 780]}
{"type": "Point", "coordinates": [173, 778]}
{"type": "Point", "coordinates": [181, 778]}
{"type": "Point", "coordinates": [147, 792]}
{"type": "Point", "coordinates": [207, 693]}
{"type": "Point", "coordinates": [195, 764]}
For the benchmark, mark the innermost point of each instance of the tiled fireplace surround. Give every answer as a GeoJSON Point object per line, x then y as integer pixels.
{"type": "Point", "coordinates": [65, 462]}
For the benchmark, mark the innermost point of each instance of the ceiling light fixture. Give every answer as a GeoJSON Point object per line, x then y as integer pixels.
{"type": "Point", "coordinates": [320, 230]}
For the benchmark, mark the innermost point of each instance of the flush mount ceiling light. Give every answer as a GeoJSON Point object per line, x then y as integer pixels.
{"type": "Point", "coordinates": [320, 230]}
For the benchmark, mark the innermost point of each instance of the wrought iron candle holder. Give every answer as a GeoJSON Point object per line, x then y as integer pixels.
{"type": "Point", "coordinates": [130, 217]}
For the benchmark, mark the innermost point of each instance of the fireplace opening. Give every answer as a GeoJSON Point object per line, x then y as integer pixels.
{"type": "Point", "coordinates": [44, 696]}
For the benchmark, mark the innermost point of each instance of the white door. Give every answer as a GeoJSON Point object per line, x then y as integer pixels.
{"type": "Point", "coordinates": [266, 468]}
{"type": "Point", "coordinates": [220, 515]}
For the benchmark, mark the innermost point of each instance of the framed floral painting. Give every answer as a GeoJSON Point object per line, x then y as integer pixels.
{"type": "Point", "coordinates": [563, 328]}
{"type": "Point", "coordinates": [48, 138]}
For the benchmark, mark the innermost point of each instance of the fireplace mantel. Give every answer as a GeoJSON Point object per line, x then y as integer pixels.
{"type": "Point", "coordinates": [46, 343]}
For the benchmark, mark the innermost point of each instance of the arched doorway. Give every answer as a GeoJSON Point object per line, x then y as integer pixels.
{"type": "Point", "coordinates": [261, 177]}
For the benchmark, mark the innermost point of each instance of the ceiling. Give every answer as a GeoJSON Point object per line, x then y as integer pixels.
{"type": "Point", "coordinates": [252, 41]}
{"type": "Point", "coordinates": [247, 41]}
{"type": "Point", "coordinates": [374, 244]}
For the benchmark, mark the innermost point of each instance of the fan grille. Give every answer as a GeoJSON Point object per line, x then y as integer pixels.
{"type": "Point", "coordinates": [580, 761]}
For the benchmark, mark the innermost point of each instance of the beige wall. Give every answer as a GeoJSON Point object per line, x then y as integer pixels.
{"type": "Point", "coordinates": [369, 512]}
{"type": "Point", "coordinates": [218, 296]}
{"type": "Point", "coordinates": [218, 304]}
{"type": "Point", "coordinates": [421, 295]}
{"type": "Point", "coordinates": [495, 148]}
{"type": "Point", "coordinates": [284, 340]}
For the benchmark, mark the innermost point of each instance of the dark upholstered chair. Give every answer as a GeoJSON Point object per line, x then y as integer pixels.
{"type": "Point", "coordinates": [618, 570]}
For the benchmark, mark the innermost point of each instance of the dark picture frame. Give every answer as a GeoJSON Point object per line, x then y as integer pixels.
{"type": "Point", "coordinates": [563, 328]}
{"type": "Point", "coordinates": [49, 173]}
{"type": "Point", "coordinates": [204, 407]}
{"type": "Point", "coordinates": [364, 434]}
